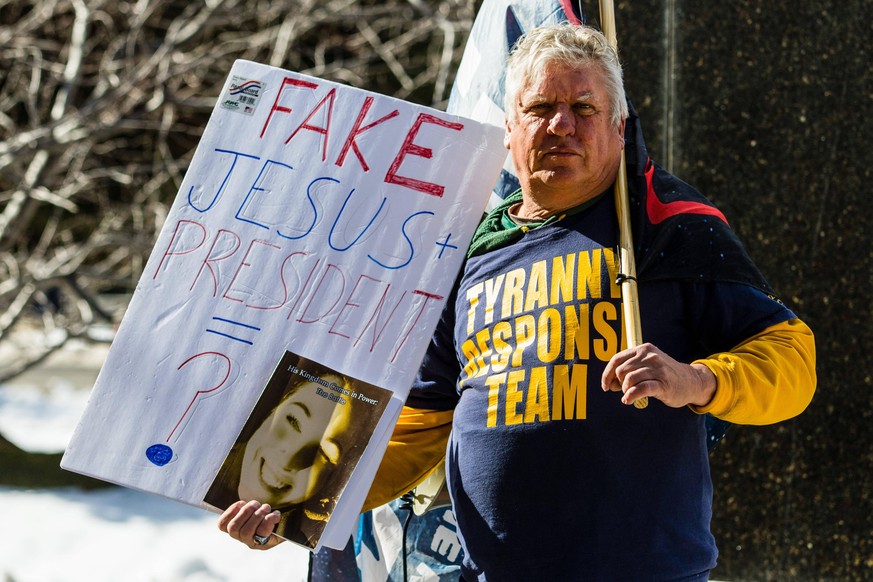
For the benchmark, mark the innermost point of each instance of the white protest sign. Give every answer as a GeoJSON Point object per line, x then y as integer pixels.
{"type": "Point", "coordinates": [317, 223]}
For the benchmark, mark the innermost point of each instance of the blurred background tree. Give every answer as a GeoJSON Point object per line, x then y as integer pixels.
{"type": "Point", "coordinates": [764, 106]}
{"type": "Point", "coordinates": [102, 104]}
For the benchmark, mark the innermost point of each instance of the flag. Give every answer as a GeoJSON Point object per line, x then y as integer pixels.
{"type": "Point", "coordinates": [672, 223]}
{"type": "Point", "coordinates": [478, 89]}
{"type": "Point", "coordinates": [678, 233]}
{"type": "Point", "coordinates": [428, 544]}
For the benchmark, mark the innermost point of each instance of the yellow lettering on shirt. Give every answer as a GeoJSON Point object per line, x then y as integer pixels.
{"type": "Point", "coordinates": [482, 342]}
{"type": "Point", "coordinates": [513, 397]}
{"type": "Point", "coordinates": [471, 352]}
{"type": "Point", "coordinates": [569, 395]}
{"type": "Point", "coordinates": [576, 344]}
{"type": "Point", "coordinates": [588, 275]}
{"type": "Point", "coordinates": [531, 333]}
{"type": "Point", "coordinates": [492, 291]}
{"type": "Point", "coordinates": [513, 294]}
{"type": "Point", "coordinates": [493, 383]}
{"type": "Point", "coordinates": [525, 330]}
{"type": "Point", "coordinates": [606, 346]}
{"type": "Point", "coordinates": [561, 290]}
{"type": "Point", "coordinates": [473, 294]}
{"type": "Point", "coordinates": [502, 348]}
{"type": "Point", "coordinates": [549, 335]}
{"type": "Point", "coordinates": [525, 395]}
{"type": "Point", "coordinates": [536, 406]}
{"type": "Point", "coordinates": [537, 294]}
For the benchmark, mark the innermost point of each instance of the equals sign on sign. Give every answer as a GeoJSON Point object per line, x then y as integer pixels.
{"type": "Point", "coordinates": [233, 330]}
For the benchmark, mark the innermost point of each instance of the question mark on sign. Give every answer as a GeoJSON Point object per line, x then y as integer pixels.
{"type": "Point", "coordinates": [160, 454]}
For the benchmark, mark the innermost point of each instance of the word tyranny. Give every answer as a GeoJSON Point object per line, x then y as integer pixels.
{"type": "Point", "coordinates": [533, 332]}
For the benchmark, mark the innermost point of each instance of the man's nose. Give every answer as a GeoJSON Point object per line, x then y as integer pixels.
{"type": "Point", "coordinates": [563, 122]}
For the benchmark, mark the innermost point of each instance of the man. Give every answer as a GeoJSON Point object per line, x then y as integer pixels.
{"type": "Point", "coordinates": [553, 473]}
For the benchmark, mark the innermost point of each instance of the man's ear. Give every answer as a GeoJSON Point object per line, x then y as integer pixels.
{"type": "Point", "coordinates": [506, 134]}
{"type": "Point", "coordinates": [621, 125]}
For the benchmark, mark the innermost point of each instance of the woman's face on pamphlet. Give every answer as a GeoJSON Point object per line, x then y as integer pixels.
{"type": "Point", "coordinates": [294, 450]}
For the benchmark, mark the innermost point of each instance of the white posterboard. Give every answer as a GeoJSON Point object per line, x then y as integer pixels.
{"type": "Point", "coordinates": [316, 236]}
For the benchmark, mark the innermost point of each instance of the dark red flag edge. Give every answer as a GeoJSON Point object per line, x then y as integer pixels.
{"type": "Point", "coordinates": [678, 233]}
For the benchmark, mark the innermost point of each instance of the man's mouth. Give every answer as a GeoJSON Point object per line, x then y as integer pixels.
{"type": "Point", "coordinates": [559, 153]}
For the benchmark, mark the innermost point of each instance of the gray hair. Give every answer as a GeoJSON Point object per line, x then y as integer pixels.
{"type": "Point", "coordinates": [568, 44]}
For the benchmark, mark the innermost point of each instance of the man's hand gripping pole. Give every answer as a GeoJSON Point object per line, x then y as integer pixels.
{"type": "Point", "coordinates": [627, 268]}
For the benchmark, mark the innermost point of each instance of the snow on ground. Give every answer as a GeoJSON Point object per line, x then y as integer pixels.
{"type": "Point", "coordinates": [115, 534]}
{"type": "Point", "coordinates": [69, 535]}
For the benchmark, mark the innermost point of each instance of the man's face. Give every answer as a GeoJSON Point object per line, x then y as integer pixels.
{"type": "Point", "coordinates": [564, 147]}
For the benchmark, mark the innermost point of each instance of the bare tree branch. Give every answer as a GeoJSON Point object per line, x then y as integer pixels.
{"type": "Point", "coordinates": [102, 104]}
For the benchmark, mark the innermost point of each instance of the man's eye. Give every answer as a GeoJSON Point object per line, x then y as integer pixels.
{"type": "Point", "coordinates": [538, 107]}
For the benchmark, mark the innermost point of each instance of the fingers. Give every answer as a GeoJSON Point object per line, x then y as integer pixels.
{"type": "Point", "coordinates": [611, 380]}
{"type": "Point", "coordinates": [637, 391]}
{"type": "Point", "coordinates": [243, 520]}
{"type": "Point", "coordinates": [229, 514]}
{"type": "Point", "coordinates": [646, 371]}
{"type": "Point", "coordinates": [634, 373]}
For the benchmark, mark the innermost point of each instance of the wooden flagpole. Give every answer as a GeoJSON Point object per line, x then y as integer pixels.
{"type": "Point", "coordinates": [626, 263]}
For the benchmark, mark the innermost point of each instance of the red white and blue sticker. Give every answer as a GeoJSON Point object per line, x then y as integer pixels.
{"type": "Point", "coordinates": [243, 95]}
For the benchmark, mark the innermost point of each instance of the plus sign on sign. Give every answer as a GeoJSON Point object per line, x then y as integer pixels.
{"type": "Point", "coordinates": [299, 274]}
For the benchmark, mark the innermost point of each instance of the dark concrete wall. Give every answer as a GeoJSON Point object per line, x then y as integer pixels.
{"type": "Point", "coordinates": [768, 112]}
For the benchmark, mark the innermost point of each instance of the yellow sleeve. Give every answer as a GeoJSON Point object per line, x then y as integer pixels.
{"type": "Point", "coordinates": [417, 446]}
{"type": "Point", "coordinates": [768, 378]}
